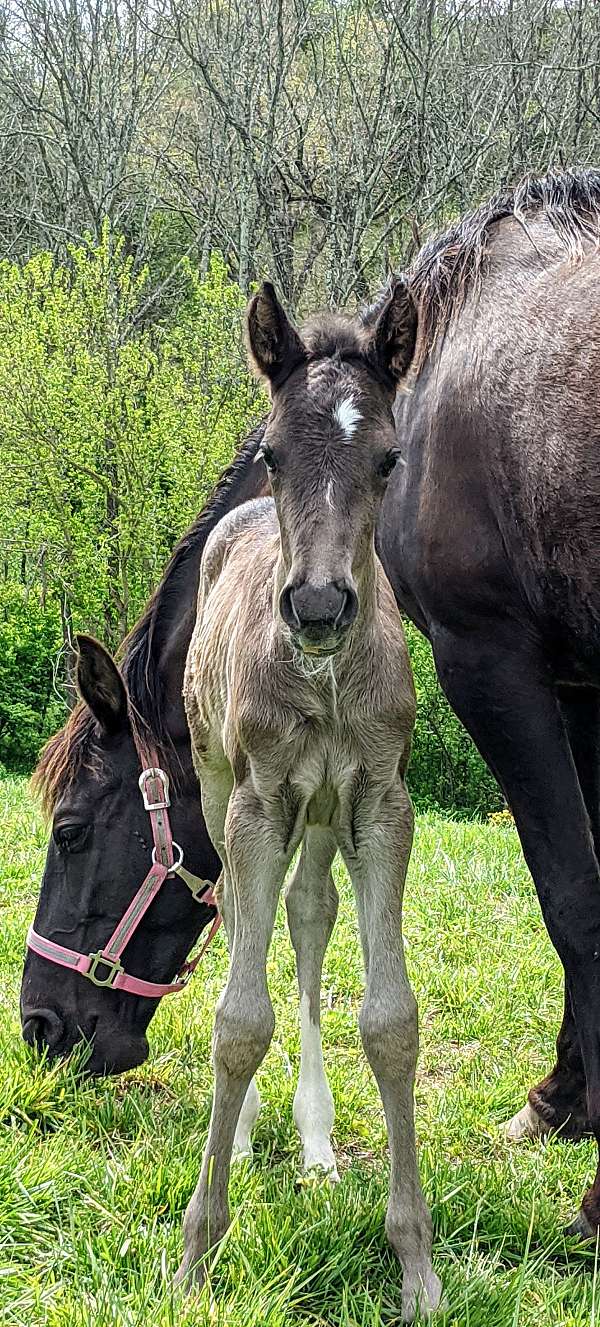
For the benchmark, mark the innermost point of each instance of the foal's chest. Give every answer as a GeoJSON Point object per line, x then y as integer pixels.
{"type": "Point", "coordinates": [320, 770]}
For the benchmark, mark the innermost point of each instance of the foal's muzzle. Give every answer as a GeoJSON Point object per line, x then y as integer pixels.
{"type": "Point", "coordinates": [318, 615]}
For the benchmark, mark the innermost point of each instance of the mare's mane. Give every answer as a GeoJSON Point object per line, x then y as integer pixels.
{"type": "Point", "coordinates": [449, 264]}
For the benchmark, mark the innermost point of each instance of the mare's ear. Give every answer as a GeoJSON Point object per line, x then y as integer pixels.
{"type": "Point", "coordinates": [393, 333]}
{"type": "Point", "coordinates": [100, 685]}
{"type": "Point", "coordinates": [274, 345]}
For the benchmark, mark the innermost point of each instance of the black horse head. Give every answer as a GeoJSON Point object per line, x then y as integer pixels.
{"type": "Point", "coordinates": [101, 844]}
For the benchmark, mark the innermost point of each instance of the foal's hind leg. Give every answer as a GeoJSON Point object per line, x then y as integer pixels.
{"type": "Point", "coordinates": [312, 902]}
{"type": "Point", "coordinates": [377, 856]}
{"type": "Point", "coordinates": [244, 1019]}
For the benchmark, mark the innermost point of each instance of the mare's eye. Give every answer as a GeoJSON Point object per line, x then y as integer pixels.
{"type": "Point", "coordinates": [70, 837]}
{"type": "Point", "coordinates": [389, 461]}
{"type": "Point", "coordinates": [269, 459]}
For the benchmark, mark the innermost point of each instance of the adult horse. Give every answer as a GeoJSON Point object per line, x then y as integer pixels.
{"type": "Point", "coordinates": [490, 535]}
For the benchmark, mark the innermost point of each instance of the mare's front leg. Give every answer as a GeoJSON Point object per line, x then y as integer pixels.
{"type": "Point", "coordinates": [504, 696]}
{"type": "Point", "coordinates": [376, 850]}
{"type": "Point", "coordinates": [257, 861]}
{"type": "Point", "coordinates": [558, 1102]}
{"type": "Point", "coordinates": [312, 903]}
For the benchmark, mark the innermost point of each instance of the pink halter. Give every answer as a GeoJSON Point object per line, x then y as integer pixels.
{"type": "Point", "coordinates": [167, 860]}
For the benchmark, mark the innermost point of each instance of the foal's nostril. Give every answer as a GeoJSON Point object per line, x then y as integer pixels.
{"type": "Point", "coordinates": [310, 607]}
{"type": "Point", "coordinates": [287, 607]}
{"type": "Point", "coordinates": [348, 609]}
{"type": "Point", "coordinates": [43, 1028]}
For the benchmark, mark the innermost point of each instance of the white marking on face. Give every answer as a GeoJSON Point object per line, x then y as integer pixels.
{"type": "Point", "coordinates": [329, 494]}
{"type": "Point", "coordinates": [347, 415]}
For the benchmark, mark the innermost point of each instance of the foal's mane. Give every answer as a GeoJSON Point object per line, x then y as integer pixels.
{"type": "Point", "coordinates": [72, 748]}
{"type": "Point", "coordinates": [449, 264]}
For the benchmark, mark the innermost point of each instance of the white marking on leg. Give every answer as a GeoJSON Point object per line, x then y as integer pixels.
{"type": "Point", "coordinates": [314, 1110]}
{"type": "Point", "coordinates": [242, 1143]}
{"type": "Point", "coordinates": [347, 415]}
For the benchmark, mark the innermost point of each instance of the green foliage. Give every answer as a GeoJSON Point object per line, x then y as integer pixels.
{"type": "Point", "coordinates": [29, 707]}
{"type": "Point", "coordinates": [113, 431]}
{"type": "Point", "coordinates": [446, 771]}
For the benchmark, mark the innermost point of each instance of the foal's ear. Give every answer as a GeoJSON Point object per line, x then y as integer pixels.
{"type": "Point", "coordinates": [100, 685]}
{"type": "Point", "coordinates": [273, 344]}
{"type": "Point", "coordinates": [393, 334]}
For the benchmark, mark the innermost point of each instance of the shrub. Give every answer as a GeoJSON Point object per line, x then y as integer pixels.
{"type": "Point", "coordinates": [29, 707]}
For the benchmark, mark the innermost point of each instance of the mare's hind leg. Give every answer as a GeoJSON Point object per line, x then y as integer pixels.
{"type": "Point", "coordinates": [558, 1102]}
{"type": "Point", "coordinates": [376, 852]}
{"type": "Point", "coordinates": [244, 1021]}
{"type": "Point", "coordinates": [312, 902]}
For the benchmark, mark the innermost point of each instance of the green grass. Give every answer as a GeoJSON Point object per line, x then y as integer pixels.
{"type": "Point", "coordinates": [94, 1176]}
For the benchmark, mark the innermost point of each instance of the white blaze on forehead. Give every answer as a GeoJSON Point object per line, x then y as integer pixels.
{"type": "Point", "coordinates": [347, 415]}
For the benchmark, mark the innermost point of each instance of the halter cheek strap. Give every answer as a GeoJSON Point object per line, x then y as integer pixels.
{"type": "Point", "coordinates": [104, 968]}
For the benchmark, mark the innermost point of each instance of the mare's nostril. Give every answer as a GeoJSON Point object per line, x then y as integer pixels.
{"type": "Point", "coordinates": [43, 1028]}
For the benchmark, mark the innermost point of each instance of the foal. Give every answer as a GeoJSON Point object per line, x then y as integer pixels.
{"type": "Point", "coordinates": [301, 706]}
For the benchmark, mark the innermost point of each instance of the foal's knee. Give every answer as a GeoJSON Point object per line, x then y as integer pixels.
{"type": "Point", "coordinates": [388, 1024]}
{"type": "Point", "coordinates": [243, 1032]}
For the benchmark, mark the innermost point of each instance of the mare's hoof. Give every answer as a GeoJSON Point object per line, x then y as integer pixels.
{"type": "Point", "coordinates": [525, 1125]}
{"type": "Point", "coordinates": [581, 1228]}
{"type": "Point", "coordinates": [421, 1295]}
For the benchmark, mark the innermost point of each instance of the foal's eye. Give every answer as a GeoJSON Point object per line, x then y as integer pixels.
{"type": "Point", "coordinates": [269, 459]}
{"type": "Point", "coordinates": [70, 837]}
{"type": "Point", "coordinates": [388, 463]}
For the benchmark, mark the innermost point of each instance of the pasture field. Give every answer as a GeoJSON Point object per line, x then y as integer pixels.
{"type": "Point", "coordinates": [95, 1176]}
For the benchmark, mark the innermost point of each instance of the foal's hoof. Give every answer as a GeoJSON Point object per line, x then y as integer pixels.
{"type": "Point", "coordinates": [581, 1228]}
{"type": "Point", "coordinates": [525, 1125]}
{"type": "Point", "coordinates": [318, 1174]}
{"type": "Point", "coordinates": [422, 1294]}
{"type": "Point", "coordinates": [241, 1153]}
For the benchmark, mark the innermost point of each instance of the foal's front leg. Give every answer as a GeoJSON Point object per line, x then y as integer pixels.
{"type": "Point", "coordinates": [312, 903]}
{"type": "Point", "coordinates": [244, 1019]}
{"type": "Point", "coordinates": [377, 858]}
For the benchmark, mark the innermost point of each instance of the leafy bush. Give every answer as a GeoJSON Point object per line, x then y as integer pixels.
{"type": "Point", "coordinates": [29, 708]}
{"type": "Point", "coordinates": [446, 771]}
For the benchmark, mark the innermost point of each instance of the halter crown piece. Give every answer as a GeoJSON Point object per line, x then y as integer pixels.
{"type": "Point", "coordinates": [104, 968]}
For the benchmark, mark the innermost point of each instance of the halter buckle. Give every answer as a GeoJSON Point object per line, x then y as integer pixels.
{"type": "Point", "coordinates": [114, 967]}
{"type": "Point", "coordinates": [155, 772]}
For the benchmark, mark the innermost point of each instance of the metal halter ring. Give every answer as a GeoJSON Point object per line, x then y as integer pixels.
{"type": "Point", "coordinates": [174, 867]}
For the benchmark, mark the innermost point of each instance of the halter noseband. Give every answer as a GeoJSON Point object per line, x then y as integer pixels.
{"type": "Point", "coordinates": [167, 860]}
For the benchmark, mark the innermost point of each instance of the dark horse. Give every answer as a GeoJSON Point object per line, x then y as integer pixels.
{"type": "Point", "coordinates": [490, 535]}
